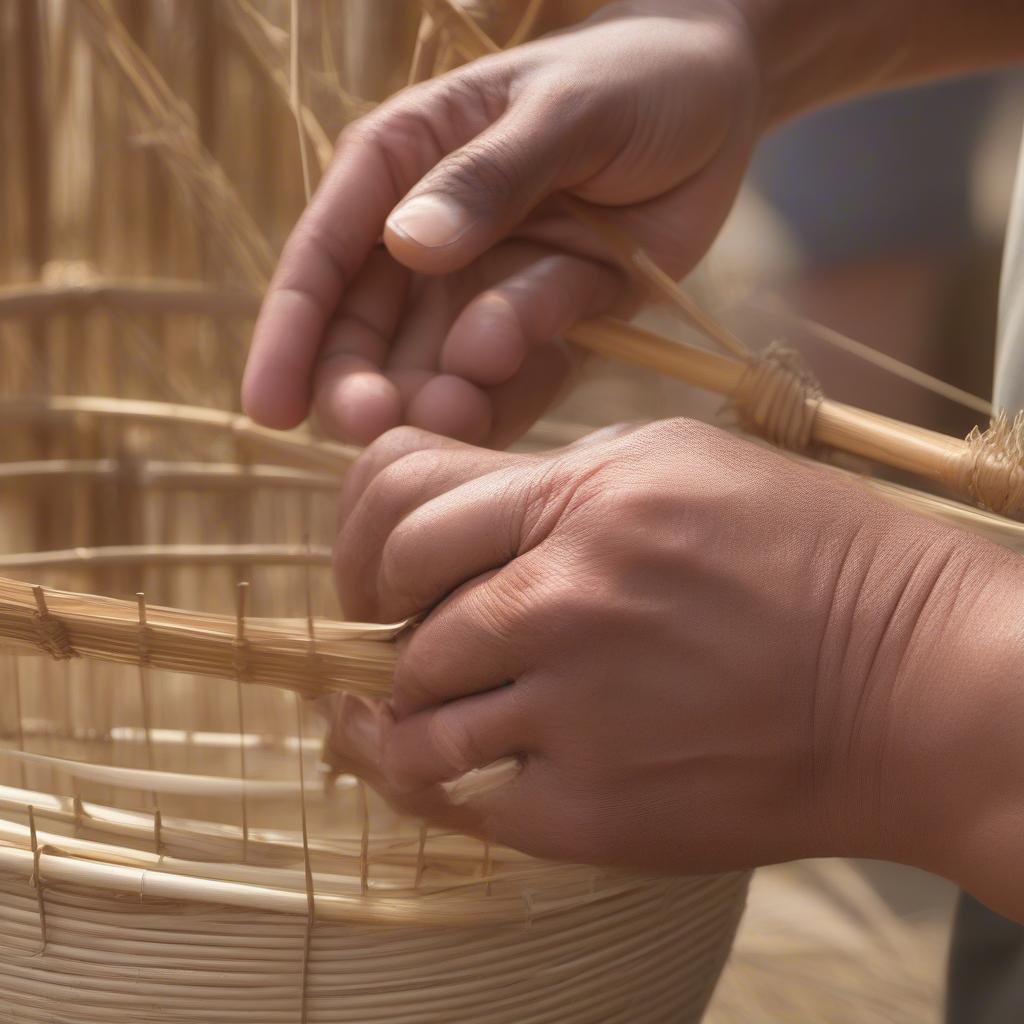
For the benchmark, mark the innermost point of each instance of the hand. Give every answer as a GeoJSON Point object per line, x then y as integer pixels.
{"type": "Point", "coordinates": [705, 654]}
{"type": "Point", "coordinates": [647, 112]}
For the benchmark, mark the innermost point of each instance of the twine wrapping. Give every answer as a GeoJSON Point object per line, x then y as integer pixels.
{"type": "Point", "coordinates": [778, 398]}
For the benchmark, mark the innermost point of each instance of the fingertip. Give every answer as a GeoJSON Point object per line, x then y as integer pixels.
{"type": "Point", "coordinates": [268, 399]}
{"type": "Point", "coordinates": [355, 402]}
{"type": "Point", "coordinates": [517, 404]}
{"type": "Point", "coordinates": [276, 383]}
{"type": "Point", "coordinates": [451, 406]}
{"type": "Point", "coordinates": [486, 344]}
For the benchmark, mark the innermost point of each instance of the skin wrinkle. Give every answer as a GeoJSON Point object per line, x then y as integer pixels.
{"type": "Point", "coordinates": [540, 514]}
{"type": "Point", "coordinates": [876, 689]}
{"type": "Point", "coordinates": [832, 592]}
{"type": "Point", "coordinates": [864, 701]}
{"type": "Point", "coordinates": [392, 569]}
{"type": "Point", "coordinates": [324, 243]}
{"type": "Point", "coordinates": [893, 633]}
{"type": "Point", "coordinates": [936, 580]}
{"type": "Point", "coordinates": [918, 723]}
{"type": "Point", "coordinates": [332, 352]}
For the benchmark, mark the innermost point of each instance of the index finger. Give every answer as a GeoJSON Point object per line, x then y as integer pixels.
{"type": "Point", "coordinates": [377, 161]}
{"type": "Point", "coordinates": [324, 253]}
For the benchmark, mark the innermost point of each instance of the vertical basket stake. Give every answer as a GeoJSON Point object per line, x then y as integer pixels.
{"type": "Point", "coordinates": [143, 655]}
{"type": "Point", "coordinates": [241, 592]}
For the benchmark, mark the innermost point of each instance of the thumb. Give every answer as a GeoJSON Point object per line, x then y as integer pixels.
{"type": "Point", "coordinates": [480, 192]}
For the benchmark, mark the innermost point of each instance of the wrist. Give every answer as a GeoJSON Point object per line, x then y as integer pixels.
{"type": "Point", "coordinates": [815, 52]}
{"type": "Point", "coordinates": [955, 729]}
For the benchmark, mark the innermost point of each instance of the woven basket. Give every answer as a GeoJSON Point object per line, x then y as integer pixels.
{"type": "Point", "coordinates": [169, 850]}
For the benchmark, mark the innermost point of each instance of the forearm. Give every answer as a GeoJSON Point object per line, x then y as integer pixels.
{"type": "Point", "coordinates": [814, 52]}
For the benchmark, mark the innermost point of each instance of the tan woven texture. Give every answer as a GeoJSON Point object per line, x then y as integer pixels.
{"type": "Point", "coordinates": [168, 848]}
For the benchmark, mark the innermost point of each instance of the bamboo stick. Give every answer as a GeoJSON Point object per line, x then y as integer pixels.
{"type": "Point", "coordinates": [936, 457]}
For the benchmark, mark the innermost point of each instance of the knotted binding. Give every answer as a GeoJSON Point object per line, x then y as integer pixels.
{"type": "Point", "coordinates": [778, 398]}
{"type": "Point", "coordinates": [991, 472]}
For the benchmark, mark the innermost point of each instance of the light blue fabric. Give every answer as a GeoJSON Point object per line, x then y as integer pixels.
{"type": "Point", "coordinates": [1009, 383]}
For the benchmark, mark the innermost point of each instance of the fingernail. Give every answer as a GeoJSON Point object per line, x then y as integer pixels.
{"type": "Point", "coordinates": [431, 221]}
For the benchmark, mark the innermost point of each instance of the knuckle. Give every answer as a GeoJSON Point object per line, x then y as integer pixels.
{"type": "Point", "coordinates": [395, 486]}
{"type": "Point", "coordinates": [475, 95]}
{"type": "Point", "coordinates": [398, 573]}
{"type": "Point", "coordinates": [509, 603]}
{"type": "Point", "coordinates": [490, 167]}
{"type": "Point", "coordinates": [395, 774]}
{"type": "Point", "coordinates": [567, 98]}
{"type": "Point", "coordinates": [694, 431]}
{"type": "Point", "coordinates": [330, 268]}
{"type": "Point", "coordinates": [414, 681]}
{"type": "Point", "coordinates": [578, 608]}
{"type": "Point", "coordinates": [393, 445]}
{"type": "Point", "coordinates": [453, 743]}
{"type": "Point", "coordinates": [388, 126]}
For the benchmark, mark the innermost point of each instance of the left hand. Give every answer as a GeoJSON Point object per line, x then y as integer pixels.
{"type": "Point", "coordinates": [699, 649]}
{"type": "Point", "coordinates": [647, 113]}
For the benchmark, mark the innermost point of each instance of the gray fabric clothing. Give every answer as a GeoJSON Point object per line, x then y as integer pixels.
{"type": "Point", "coordinates": [986, 959]}
{"type": "Point", "coordinates": [986, 967]}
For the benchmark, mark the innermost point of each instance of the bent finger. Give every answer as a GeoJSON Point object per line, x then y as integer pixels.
{"type": "Point", "coordinates": [443, 743]}
{"type": "Point", "coordinates": [377, 161]}
{"type": "Point", "coordinates": [489, 341]}
{"type": "Point", "coordinates": [353, 399]}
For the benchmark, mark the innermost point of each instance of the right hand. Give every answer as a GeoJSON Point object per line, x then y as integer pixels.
{"type": "Point", "coordinates": [647, 112]}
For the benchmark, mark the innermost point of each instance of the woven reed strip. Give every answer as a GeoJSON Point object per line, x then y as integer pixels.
{"type": "Point", "coordinates": [451, 868]}
{"type": "Point", "coordinates": [170, 554]}
{"type": "Point", "coordinates": [341, 876]}
{"type": "Point", "coordinates": [70, 861]}
{"type": "Point", "coordinates": [296, 447]}
{"type": "Point", "coordinates": [160, 473]}
{"type": "Point", "coordinates": [356, 658]}
{"type": "Point", "coordinates": [186, 928]}
{"type": "Point", "coordinates": [131, 295]}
